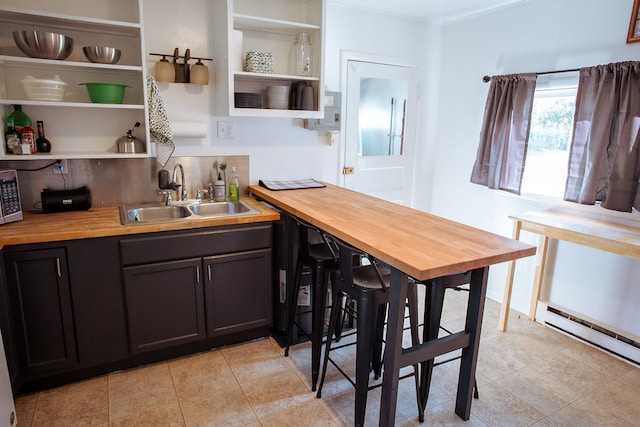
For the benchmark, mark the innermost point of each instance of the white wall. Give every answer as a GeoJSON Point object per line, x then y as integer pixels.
{"type": "Point", "coordinates": [278, 148]}
{"type": "Point", "coordinates": [536, 35]}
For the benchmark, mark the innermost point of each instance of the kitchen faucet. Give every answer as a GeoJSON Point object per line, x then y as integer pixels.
{"type": "Point", "coordinates": [183, 193]}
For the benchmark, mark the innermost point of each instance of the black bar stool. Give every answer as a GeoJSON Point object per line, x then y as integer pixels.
{"type": "Point", "coordinates": [322, 259]}
{"type": "Point", "coordinates": [367, 285]}
{"type": "Point", "coordinates": [434, 302]}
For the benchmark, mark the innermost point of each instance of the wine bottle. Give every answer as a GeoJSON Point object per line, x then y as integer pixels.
{"type": "Point", "coordinates": [42, 144]}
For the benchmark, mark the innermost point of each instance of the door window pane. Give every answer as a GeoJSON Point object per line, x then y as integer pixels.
{"type": "Point", "coordinates": [382, 116]}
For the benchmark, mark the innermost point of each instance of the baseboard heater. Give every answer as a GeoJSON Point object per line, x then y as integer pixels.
{"type": "Point", "coordinates": [610, 341]}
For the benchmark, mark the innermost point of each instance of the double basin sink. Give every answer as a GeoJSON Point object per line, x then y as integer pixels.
{"type": "Point", "coordinates": [148, 213]}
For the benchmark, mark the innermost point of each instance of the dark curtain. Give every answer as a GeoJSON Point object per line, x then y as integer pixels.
{"type": "Point", "coordinates": [505, 130]}
{"type": "Point", "coordinates": [604, 159]}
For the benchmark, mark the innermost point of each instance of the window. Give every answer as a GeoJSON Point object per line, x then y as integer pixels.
{"type": "Point", "coordinates": [545, 170]}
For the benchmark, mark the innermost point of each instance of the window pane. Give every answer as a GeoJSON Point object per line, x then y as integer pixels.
{"type": "Point", "coordinates": [382, 114]}
{"type": "Point", "coordinates": [545, 171]}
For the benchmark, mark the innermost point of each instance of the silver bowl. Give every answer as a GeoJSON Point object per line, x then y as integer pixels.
{"type": "Point", "coordinates": [102, 54]}
{"type": "Point", "coordinates": [43, 44]}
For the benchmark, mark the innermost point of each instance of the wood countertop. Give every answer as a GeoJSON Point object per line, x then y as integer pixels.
{"type": "Point", "coordinates": [422, 245]}
{"type": "Point", "coordinates": [105, 221]}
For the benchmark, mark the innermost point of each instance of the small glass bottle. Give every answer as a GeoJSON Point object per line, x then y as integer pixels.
{"type": "Point", "coordinates": [11, 137]}
{"type": "Point", "coordinates": [42, 144]}
{"type": "Point", "coordinates": [302, 54]}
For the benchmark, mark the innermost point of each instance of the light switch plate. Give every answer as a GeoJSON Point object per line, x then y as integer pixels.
{"type": "Point", "coordinates": [225, 129]}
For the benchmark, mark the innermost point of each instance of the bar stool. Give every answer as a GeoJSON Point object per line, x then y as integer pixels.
{"type": "Point", "coordinates": [322, 259]}
{"type": "Point", "coordinates": [434, 302]}
{"type": "Point", "coordinates": [367, 285]}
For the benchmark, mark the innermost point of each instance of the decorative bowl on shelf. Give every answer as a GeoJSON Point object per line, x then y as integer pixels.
{"type": "Point", "coordinates": [105, 93]}
{"type": "Point", "coordinates": [44, 89]}
{"type": "Point", "coordinates": [43, 44]}
{"type": "Point", "coordinates": [102, 54]}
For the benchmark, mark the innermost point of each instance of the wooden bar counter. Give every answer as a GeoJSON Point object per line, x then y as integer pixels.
{"type": "Point", "coordinates": [415, 244]}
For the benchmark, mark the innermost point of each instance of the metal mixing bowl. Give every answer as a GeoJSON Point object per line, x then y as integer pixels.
{"type": "Point", "coordinates": [102, 54]}
{"type": "Point", "coordinates": [42, 44]}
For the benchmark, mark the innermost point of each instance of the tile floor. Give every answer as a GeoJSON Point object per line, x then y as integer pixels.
{"type": "Point", "coordinates": [529, 376]}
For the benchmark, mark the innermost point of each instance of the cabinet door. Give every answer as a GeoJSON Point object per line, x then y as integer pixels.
{"type": "Point", "coordinates": [165, 304]}
{"type": "Point", "coordinates": [238, 292]}
{"type": "Point", "coordinates": [98, 301]}
{"type": "Point", "coordinates": [39, 285]}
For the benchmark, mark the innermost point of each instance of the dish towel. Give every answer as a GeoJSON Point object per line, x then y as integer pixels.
{"type": "Point", "coordinates": [159, 125]}
{"type": "Point", "coordinates": [290, 185]}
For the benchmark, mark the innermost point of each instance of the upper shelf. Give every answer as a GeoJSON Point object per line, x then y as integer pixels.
{"type": "Point", "coordinates": [37, 18]}
{"type": "Point", "coordinates": [248, 22]}
{"type": "Point", "coordinates": [52, 64]}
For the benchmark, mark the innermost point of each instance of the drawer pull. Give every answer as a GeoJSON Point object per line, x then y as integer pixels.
{"type": "Point", "coordinates": [209, 271]}
{"type": "Point", "coordinates": [197, 274]}
{"type": "Point", "coordinates": [58, 268]}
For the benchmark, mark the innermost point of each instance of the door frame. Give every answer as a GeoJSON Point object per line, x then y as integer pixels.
{"type": "Point", "coordinates": [349, 55]}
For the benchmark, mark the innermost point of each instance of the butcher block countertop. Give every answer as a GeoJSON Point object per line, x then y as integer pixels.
{"type": "Point", "coordinates": [422, 245]}
{"type": "Point", "coordinates": [105, 221]}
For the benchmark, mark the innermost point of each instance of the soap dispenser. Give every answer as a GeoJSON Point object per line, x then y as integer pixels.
{"type": "Point", "coordinates": [219, 190]}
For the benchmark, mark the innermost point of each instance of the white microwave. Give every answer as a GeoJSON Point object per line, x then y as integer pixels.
{"type": "Point", "coordinates": [10, 208]}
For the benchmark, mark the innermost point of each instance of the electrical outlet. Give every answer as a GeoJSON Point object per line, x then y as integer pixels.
{"type": "Point", "coordinates": [60, 168]}
{"type": "Point", "coordinates": [225, 129]}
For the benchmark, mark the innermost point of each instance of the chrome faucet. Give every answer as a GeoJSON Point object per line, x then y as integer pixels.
{"type": "Point", "coordinates": [183, 192]}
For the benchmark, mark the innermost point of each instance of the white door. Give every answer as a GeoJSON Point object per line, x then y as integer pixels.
{"type": "Point", "coordinates": [380, 123]}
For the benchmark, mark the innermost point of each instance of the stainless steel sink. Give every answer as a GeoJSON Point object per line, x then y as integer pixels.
{"type": "Point", "coordinates": [220, 208]}
{"type": "Point", "coordinates": [130, 214]}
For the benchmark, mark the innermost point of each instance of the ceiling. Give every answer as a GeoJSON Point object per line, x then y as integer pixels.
{"type": "Point", "coordinates": [432, 10]}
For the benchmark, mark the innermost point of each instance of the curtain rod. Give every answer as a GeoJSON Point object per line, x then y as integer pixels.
{"type": "Point", "coordinates": [486, 79]}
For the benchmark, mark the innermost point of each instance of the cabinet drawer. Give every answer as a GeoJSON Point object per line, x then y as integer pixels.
{"type": "Point", "coordinates": [179, 245]}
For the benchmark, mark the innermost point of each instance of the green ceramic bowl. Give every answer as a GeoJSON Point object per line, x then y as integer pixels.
{"type": "Point", "coordinates": [105, 93]}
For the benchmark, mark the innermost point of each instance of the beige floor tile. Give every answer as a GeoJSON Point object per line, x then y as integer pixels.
{"type": "Point", "coordinates": [216, 405]}
{"type": "Point", "coordinates": [203, 368]}
{"type": "Point", "coordinates": [584, 413]}
{"type": "Point", "coordinates": [596, 359]}
{"type": "Point", "coordinates": [140, 389]}
{"type": "Point", "coordinates": [243, 360]}
{"type": "Point", "coordinates": [162, 416]}
{"type": "Point", "coordinates": [26, 408]}
{"type": "Point", "coordinates": [499, 407]}
{"type": "Point", "coordinates": [273, 394]}
{"type": "Point", "coordinates": [443, 414]}
{"type": "Point", "coordinates": [554, 382]}
{"type": "Point", "coordinates": [309, 414]}
{"type": "Point", "coordinates": [82, 403]}
{"type": "Point", "coordinates": [632, 379]}
{"type": "Point", "coordinates": [618, 398]}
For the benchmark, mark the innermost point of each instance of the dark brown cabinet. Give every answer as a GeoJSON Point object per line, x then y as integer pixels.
{"type": "Point", "coordinates": [165, 304]}
{"type": "Point", "coordinates": [238, 292]}
{"type": "Point", "coordinates": [43, 316]}
{"type": "Point", "coordinates": [81, 308]}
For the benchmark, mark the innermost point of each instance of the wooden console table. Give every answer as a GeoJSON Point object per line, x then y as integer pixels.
{"type": "Point", "coordinates": [598, 232]}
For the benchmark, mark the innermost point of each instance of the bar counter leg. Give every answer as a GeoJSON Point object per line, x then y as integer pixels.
{"type": "Point", "coordinates": [475, 309]}
{"type": "Point", "coordinates": [508, 286]}
{"type": "Point", "coordinates": [393, 351]}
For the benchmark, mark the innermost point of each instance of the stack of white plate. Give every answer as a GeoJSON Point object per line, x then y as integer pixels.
{"type": "Point", "coordinates": [278, 97]}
